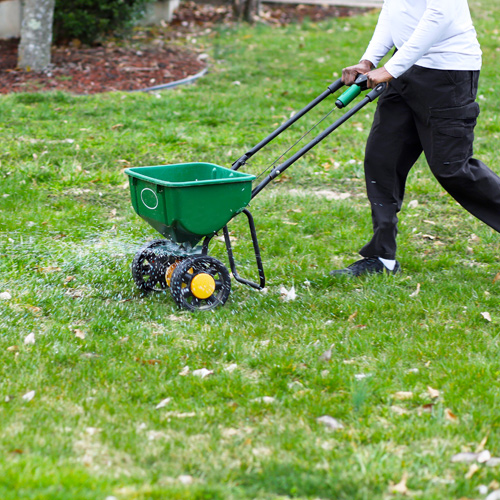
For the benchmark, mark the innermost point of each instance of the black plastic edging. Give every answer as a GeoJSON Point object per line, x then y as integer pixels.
{"type": "Point", "coordinates": [170, 85]}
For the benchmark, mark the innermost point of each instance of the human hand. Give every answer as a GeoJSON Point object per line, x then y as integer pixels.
{"type": "Point", "coordinates": [379, 75]}
{"type": "Point", "coordinates": [349, 74]}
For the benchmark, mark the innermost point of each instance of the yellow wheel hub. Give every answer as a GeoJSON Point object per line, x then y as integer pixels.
{"type": "Point", "coordinates": [170, 271]}
{"type": "Point", "coordinates": [203, 286]}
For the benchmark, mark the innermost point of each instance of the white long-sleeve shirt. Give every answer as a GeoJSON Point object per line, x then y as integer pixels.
{"type": "Point", "coordinates": [436, 34]}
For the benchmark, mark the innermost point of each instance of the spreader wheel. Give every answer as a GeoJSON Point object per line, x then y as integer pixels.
{"type": "Point", "coordinates": [200, 283]}
{"type": "Point", "coordinates": [150, 265]}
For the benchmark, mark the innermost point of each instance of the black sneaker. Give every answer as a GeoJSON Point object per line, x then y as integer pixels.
{"type": "Point", "coordinates": [368, 265]}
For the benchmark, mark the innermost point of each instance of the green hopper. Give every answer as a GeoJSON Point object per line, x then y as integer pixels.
{"type": "Point", "coordinates": [189, 203]}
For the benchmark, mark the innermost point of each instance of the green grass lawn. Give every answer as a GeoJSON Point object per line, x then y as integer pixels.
{"type": "Point", "coordinates": [104, 356]}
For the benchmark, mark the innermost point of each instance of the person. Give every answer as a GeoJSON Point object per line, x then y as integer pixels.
{"type": "Point", "coordinates": [429, 105]}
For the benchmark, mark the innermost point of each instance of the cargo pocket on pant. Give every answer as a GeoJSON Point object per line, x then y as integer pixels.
{"type": "Point", "coordinates": [453, 132]}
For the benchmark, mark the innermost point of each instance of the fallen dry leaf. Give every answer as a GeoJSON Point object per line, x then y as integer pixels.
{"type": "Point", "coordinates": [163, 403]}
{"type": "Point", "coordinates": [401, 487]}
{"type": "Point", "coordinates": [402, 395]}
{"type": "Point", "coordinates": [427, 408]}
{"type": "Point", "coordinates": [483, 489]}
{"type": "Point", "coordinates": [486, 316]}
{"type": "Point", "coordinates": [496, 278]}
{"type": "Point", "coordinates": [178, 414]}
{"type": "Point", "coordinates": [416, 292]}
{"type": "Point", "coordinates": [50, 269]}
{"type": "Point", "coordinates": [349, 361]}
{"type": "Point", "coordinates": [330, 422]}
{"type": "Point", "coordinates": [149, 361]}
{"type": "Point", "coordinates": [231, 368]}
{"type": "Point", "coordinates": [483, 457]}
{"type": "Point", "coordinates": [398, 410]}
{"type": "Point", "coordinates": [13, 348]}
{"type": "Point", "coordinates": [327, 355]}
{"type": "Point", "coordinates": [494, 485]}
{"type": "Point", "coordinates": [450, 416]}
{"type": "Point", "coordinates": [464, 457]}
{"type": "Point", "coordinates": [264, 399]}
{"type": "Point", "coordinates": [203, 372]}
{"type": "Point", "coordinates": [29, 396]}
{"type": "Point", "coordinates": [288, 295]}
{"type": "Point", "coordinates": [433, 393]}
{"type": "Point", "coordinates": [29, 339]}
{"type": "Point", "coordinates": [482, 444]}
{"type": "Point", "coordinates": [80, 334]}
{"type": "Point", "coordinates": [34, 309]}
{"type": "Point", "coordinates": [472, 470]}
{"type": "Point", "coordinates": [184, 371]}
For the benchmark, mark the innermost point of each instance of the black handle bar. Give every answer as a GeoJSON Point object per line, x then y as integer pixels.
{"type": "Point", "coordinates": [371, 96]}
{"type": "Point", "coordinates": [331, 89]}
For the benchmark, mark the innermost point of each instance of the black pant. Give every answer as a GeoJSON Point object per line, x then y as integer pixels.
{"type": "Point", "coordinates": [433, 111]}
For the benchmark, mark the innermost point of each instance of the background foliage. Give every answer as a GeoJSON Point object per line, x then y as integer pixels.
{"type": "Point", "coordinates": [90, 20]}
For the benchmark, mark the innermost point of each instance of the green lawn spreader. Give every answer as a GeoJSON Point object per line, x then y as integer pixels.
{"type": "Point", "coordinates": [189, 203]}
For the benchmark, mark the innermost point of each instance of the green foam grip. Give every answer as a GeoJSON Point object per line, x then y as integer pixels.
{"type": "Point", "coordinates": [348, 96]}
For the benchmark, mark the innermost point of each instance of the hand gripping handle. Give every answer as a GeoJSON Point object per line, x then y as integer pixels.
{"type": "Point", "coordinates": [359, 85]}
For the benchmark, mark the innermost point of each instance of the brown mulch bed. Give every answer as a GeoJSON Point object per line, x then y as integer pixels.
{"type": "Point", "coordinates": [88, 70]}
{"type": "Point", "coordinates": [150, 60]}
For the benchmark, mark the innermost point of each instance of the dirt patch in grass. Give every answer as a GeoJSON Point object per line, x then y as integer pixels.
{"type": "Point", "coordinates": [150, 59]}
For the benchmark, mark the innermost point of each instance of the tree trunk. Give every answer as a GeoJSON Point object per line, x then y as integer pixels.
{"type": "Point", "coordinates": [237, 9]}
{"type": "Point", "coordinates": [36, 34]}
{"type": "Point", "coordinates": [248, 11]}
{"type": "Point", "coordinates": [258, 5]}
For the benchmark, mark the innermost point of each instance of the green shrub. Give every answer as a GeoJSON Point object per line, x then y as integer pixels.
{"type": "Point", "coordinates": [90, 20]}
